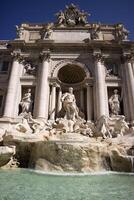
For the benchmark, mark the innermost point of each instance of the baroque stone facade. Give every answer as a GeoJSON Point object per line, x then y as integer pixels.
{"type": "Point", "coordinates": [45, 60]}
{"type": "Point", "coordinates": [70, 81]}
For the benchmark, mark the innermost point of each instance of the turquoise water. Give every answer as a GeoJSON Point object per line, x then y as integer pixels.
{"type": "Point", "coordinates": [27, 185]}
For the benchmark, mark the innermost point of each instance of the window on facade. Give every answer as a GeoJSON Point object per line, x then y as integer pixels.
{"type": "Point", "coordinates": [1, 98]}
{"type": "Point", "coordinates": [112, 66]}
{"type": "Point", "coordinates": [4, 66]}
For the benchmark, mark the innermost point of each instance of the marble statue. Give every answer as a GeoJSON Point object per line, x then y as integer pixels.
{"type": "Point", "coordinates": [37, 125]}
{"type": "Point", "coordinates": [69, 105]}
{"type": "Point", "coordinates": [120, 32]}
{"type": "Point", "coordinates": [72, 16]}
{"type": "Point", "coordinates": [60, 18]}
{"type": "Point", "coordinates": [114, 103]}
{"type": "Point", "coordinates": [102, 127]}
{"type": "Point", "coordinates": [95, 31]}
{"type": "Point", "coordinates": [29, 68]}
{"type": "Point", "coordinates": [47, 31]}
{"type": "Point", "coordinates": [20, 31]}
{"type": "Point", "coordinates": [83, 17]}
{"type": "Point", "coordinates": [121, 127]}
{"type": "Point", "coordinates": [23, 127]}
{"type": "Point", "coordinates": [26, 102]}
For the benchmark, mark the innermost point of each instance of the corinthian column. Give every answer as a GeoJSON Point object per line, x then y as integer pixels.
{"type": "Point", "coordinates": [129, 84]}
{"type": "Point", "coordinates": [42, 90]}
{"type": "Point", "coordinates": [53, 101]}
{"type": "Point", "coordinates": [89, 103]}
{"type": "Point", "coordinates": [59, 106]}
{"type": "Point", "coordinates": [13, 84]}
{"type": "Point", "coordinates": [100, 87]}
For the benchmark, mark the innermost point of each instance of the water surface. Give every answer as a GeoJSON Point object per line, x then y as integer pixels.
{"type": "Point", "coordinates": [28, 185]}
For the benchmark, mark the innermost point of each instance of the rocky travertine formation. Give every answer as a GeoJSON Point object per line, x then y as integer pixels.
{"type": "Point", "coordinates": [66, 95]}
{"type": "Point", "coordinates": [6, 156]}
{"type": "Point", "coordinates": [72, 152]}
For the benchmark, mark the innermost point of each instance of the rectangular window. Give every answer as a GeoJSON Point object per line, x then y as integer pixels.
{"type": "Point", "coordinates": [4, 66]}
{"type": "Point", "coordinates": [1, 98]}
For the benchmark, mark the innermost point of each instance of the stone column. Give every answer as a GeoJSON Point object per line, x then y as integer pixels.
{"type": "Point", "coordinates": [133, 65]}
{"type": "Point", "coordinates": [53, 101]}
{"type": "Point", "coordinates": [100, 87]}
{"type": "Point", "coordinates": [59, 106]}
{"type": "Point", "coordinates": [42, 90]}
{"type": "Point", "coordinates": [12, 90]}
{"type": "Point", "coordinates": [129, 84]}
{"type": "Point", "coordinates": [89, 103]}
{"type": "Point", "coordinates": [82, 99]}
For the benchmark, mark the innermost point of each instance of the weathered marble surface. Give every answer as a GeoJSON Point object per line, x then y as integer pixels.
{"type": "Point", "coordinates": [73, 152]}
{"type": "Point", "coordinates": [6, 156]}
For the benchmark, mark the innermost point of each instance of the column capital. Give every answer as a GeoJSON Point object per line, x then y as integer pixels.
{"type": "Point", "coordinates": [45, 55]}
{"type": "Point", "coordinates": [16, 55]}
{"type": "Point", "coordinates": [87, 85]}
{"type": "Point", "coordinates": [98, 57]}
{"type": "Point", "coordinates": [54, 84]}
{"type": "Point", "coordinates": [127, 57]}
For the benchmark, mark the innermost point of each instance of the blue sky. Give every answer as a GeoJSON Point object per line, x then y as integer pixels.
{"type": "Point", "coordinates": [14, 12]}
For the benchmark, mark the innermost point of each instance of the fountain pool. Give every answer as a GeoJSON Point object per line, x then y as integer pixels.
{"type": "Point", "coordinates": [28, 185]}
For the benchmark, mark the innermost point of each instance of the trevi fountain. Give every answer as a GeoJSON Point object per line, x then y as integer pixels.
{"type": "Point", "coordinates": [66, 107]}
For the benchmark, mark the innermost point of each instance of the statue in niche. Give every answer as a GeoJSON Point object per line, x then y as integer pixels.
{"type": "Point", "coordinates": [26, 102]}
{"type": "Point", "coordinates": [69, 105]}
{"type": "Point", "coordinates": [120, 32]}
{"type": "Point", "coordinates": [95, 31]}
{"type": "Point", "coordinates": [114, 103]}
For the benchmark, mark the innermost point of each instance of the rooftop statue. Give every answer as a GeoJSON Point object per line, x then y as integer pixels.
{"type": "Point", "coordinates": [47, 31]}
{"type": "Point", "coordinates": [121, 33]}
{"type": "Point", "coordinates": [72, 16]}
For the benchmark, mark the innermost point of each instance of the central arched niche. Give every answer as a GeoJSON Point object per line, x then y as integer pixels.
{"type": "Point", "coordinates": [71, 74]}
